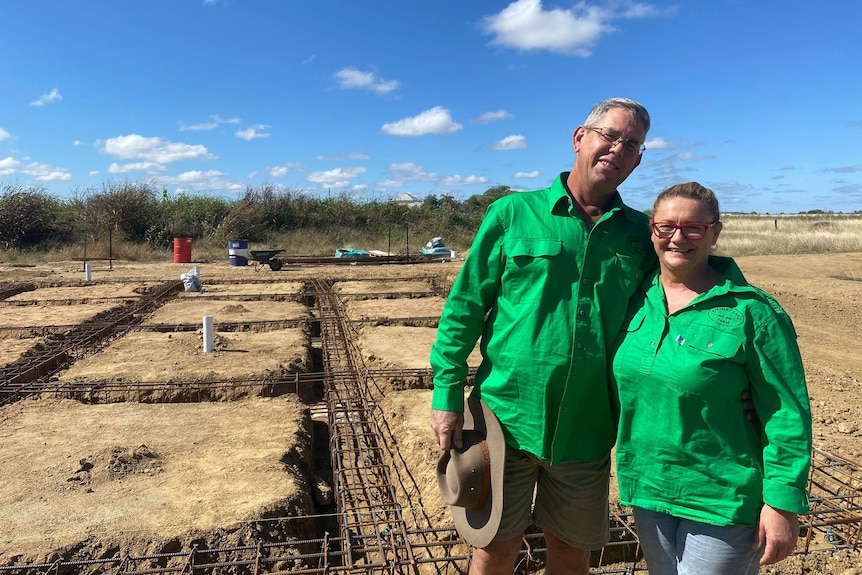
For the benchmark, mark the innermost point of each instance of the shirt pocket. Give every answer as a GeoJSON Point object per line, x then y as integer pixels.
{"type": "Point", "coordinates": [620, 280]}
{"type": "Point", "coordinates": [716, 343]}
{"type": "Point", "coordinates": [634, 353]}
{"type": "Point", "coordinates": [628, 273]}
{"type": "Point", "coordinates": [635, 322]}
{"type": "Point", "coordinates": [530, 266]}
{"type": "Point", "coordinates": [709, 359]}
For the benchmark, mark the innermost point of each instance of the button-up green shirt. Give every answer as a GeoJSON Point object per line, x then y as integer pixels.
{"type": "Point", "coordinates": [685, 445]}
{"type": "Point", "coordinates": [547, 294]}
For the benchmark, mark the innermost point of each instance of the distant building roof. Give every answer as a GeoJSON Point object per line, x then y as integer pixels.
{"type": "Point", "coordinates": [407, 199]}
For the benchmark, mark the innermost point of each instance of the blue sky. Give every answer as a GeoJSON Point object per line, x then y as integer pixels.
{"type": "Point", "coordinates": [757, 100]}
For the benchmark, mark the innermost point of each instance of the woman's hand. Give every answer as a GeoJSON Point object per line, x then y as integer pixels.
{"type": "Point", "coordinates": [778, 531]}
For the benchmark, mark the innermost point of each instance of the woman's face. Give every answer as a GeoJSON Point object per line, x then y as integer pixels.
{"type": "Point", "coordinates": [676, 251]}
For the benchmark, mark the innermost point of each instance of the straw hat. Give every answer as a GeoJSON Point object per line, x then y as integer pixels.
{"type": "Point", "coordinates": [471, 478]}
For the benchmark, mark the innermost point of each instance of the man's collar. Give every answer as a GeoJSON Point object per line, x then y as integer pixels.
{"type": "Point", "coordinates": [562, 201]}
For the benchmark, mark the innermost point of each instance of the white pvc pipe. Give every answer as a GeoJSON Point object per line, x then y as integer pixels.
{"type": "Point", "coordinates": [208, 333]}
{"type": "Point", "coordinates": [88, 275]}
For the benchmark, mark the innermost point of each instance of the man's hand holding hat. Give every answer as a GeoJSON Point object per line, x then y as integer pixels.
{"type": "Point", "coordinates": [447, 426]}
{"type": "Point", "coordinates": [470, 476]}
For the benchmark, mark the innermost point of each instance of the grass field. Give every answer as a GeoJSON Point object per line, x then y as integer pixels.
{"type": "Point", "coordinates": [743, 234]}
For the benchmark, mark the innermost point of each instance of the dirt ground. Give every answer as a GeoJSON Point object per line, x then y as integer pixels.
{"type": "Point", "coordinates": [83, 478]}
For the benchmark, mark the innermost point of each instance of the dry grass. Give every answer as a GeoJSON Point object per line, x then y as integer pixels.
{"type": "Point", "coordinates": [790, 234]}
{"type": "Point", "coordinates": [313, 242]}
{"type": "Point", "coordinates": [118, 250]}
{"type": "Point", "coordinates": [743, 234]}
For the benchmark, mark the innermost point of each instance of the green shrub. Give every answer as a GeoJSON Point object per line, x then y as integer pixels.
{"type": "Point", "coordinates": [186, 216]}
{"type": "Point", "coordinates": [126, 210]}
{"type": "Point", "coordinates": [30, 217]}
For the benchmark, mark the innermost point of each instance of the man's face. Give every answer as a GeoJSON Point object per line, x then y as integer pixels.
{"type": "Point", "coordinates": [606, 164]}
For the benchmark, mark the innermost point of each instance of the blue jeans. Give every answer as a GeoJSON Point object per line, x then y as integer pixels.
{"type": "Point", "coordinates": [674, 546]}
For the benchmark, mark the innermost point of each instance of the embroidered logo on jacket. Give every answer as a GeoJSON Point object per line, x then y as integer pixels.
{"type": "Point", "coordinates": [726, 316]}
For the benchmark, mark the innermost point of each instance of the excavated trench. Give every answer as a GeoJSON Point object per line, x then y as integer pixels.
{"type": "Point", "coordinates": [358, 506]}
{"type": "Point", "coordinates": [331, 385]}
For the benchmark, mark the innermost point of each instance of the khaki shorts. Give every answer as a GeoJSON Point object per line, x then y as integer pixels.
{"type": "Point", "coordinates": [569, 500]}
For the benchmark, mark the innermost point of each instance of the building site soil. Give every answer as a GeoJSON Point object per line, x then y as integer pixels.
{"type": "Point", "coordinates": [151, 472]}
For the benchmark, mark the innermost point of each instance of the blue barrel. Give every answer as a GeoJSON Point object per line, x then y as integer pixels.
{"type": "Point", "coordinates": [238, 251]}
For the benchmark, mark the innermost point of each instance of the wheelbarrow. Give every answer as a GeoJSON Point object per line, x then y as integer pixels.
{"type": "Point", "coordinates": [266, 257]}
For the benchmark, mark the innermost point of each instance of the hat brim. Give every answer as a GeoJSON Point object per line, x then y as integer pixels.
{"type": "Point", "coordinates": [479, 526]}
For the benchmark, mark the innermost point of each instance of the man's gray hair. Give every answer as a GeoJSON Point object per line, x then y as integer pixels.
{"type": "Point", "coordinates": [637, 111]}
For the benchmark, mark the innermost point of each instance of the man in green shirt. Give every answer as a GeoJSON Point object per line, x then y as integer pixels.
{"type": "Point", "coordinates": [545, 287]}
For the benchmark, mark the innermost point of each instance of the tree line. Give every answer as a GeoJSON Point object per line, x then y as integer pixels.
{"type": "Point", "coordinates": [139, 212]}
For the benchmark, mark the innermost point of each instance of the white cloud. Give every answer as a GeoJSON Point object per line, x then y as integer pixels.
{"type": "Point", "coordinates": [35, 170]}
{"type": "Point", "coordinates": [156, 150]}
{"type": "Point", "coordinates": [658, 144]}
{"type": "Point", "coordinates": [48, 175]}
{"type": "Point", "coordinates": [406, 167]}
{"type": "Point", "coordinates": [389, 183]}
{"type": "Point", "coordinates": [252, 132]}
{"type": "Point", "coordinates": [199, 180]}
{"type": "Point", "coordinates": [220, 120]}
{"type": "Point", "coordinates": [693, 156]}
{"type": "Point", "coordinates": [632, 10]}
{"type": "Point", "coordinates": [149, 167]}
{"type": "Point", "coordinates": [198, 127]}
{"type": "Point", "coordinates": [353, 79]}
{"type": "Point", "coordinates": [52, 96]}
{"type": "Point", "coordinates": [513, 142]}
{"type": "Point", "coordinates": [434, 121]}
{"type": "Point", "coordinates": [211, 124]}
{"type": "Point", "coordinates": [525, 25]}
{"type": "Point", "coordinates": [336, 178]}
{"type": "Point", "coordinates": [283, 170]}
{"type": "Point", "coordinates": [9, 165]}
{"type": "Point", "coordinates": [533, 174]}
{"type": "Point", "coordinates": [489, 117]}
{"type": "Point", "coordinates": [410, 172]}
{"type": "Point", "coordinates": [198, 175]}
{"type": "Point", "coordinates": [845, 169]}
{"type": "Point", "coordinates": [341, 157]}
{"type": "Point", "coordinates": [457, 180]}
{"type": "Point", "coordinates": [4, 135]}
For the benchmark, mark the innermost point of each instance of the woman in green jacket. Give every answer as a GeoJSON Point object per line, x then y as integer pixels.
{"type": "Point", "coordinates": [713, 493]}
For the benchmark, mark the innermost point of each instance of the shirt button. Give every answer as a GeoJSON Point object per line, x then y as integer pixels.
{"type": "Point", "coordinates": [581, 312]}
{"type": "Point", "coordinates": [579, 346]}
{"type": "Point", "coordinates": [565, 409]}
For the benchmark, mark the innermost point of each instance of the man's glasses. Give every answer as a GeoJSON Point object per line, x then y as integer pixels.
{"type": "Point", "coordinates": [613, 138]}
{"type": "Point", "coordinates": [691, 231]}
